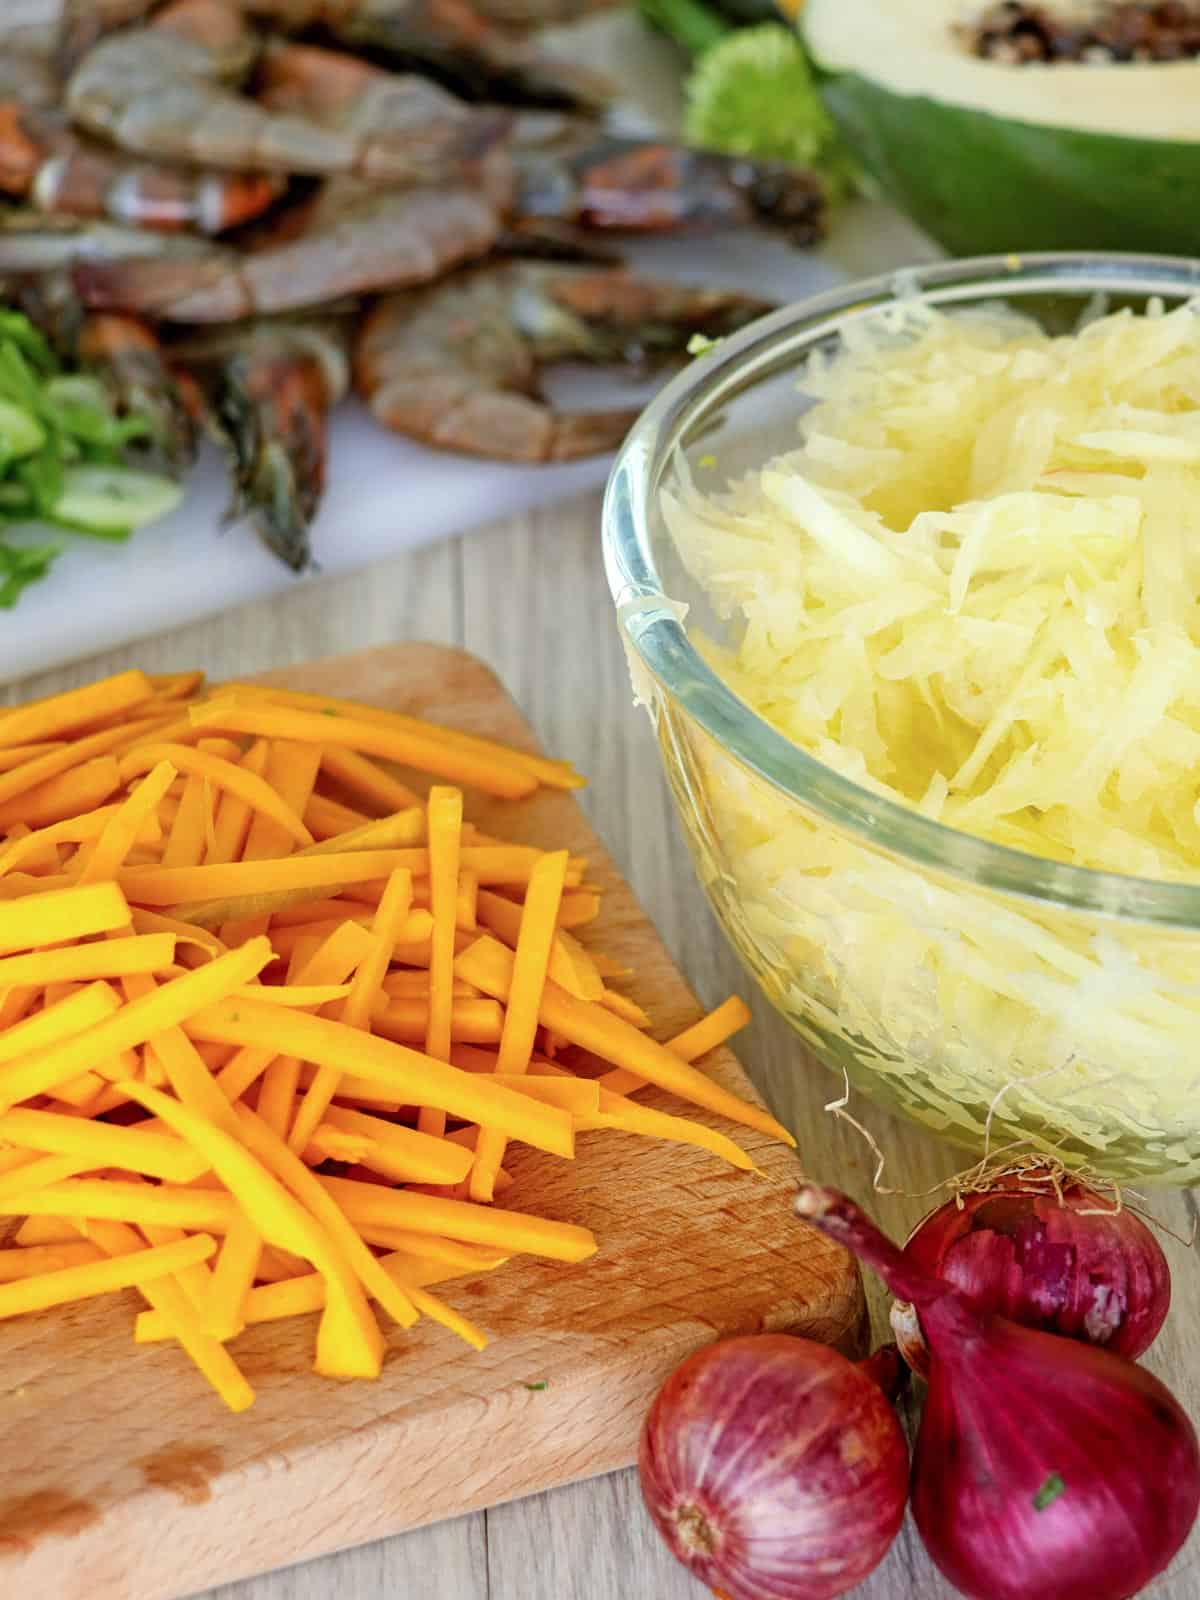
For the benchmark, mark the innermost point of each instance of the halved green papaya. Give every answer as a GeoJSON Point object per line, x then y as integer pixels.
{"type": "Point", "coordinates": [990, 156]}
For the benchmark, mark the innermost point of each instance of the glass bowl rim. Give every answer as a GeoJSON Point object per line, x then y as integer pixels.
{"type": "Point", "coordinates": [653, 632]}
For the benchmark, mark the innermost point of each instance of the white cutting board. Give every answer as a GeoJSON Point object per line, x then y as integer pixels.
{"type": "Point", "coordinates": [386, 494]}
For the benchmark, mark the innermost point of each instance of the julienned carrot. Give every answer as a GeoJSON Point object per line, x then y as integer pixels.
{"type": "Point", "coordinates": [409, 1077]}
{"type": "Point", "coordinates": [71, 830]}
{"type": "Point", "coordinates": [712, 1030]}
{"type": "Point", "coordinates": [349, 1343]}
{"type": "Point", "coordinates": [419, 747]}
{"type": "Point", "coordinates": [177, 886]}
{"type": "Point", "coordinates": [60, 914]}
{"type": "Point", "coordinates": [119, 1200]}
{"type": "Point", "coordinates": [473, 1020]}
{"type": "Point", "coordinates": [489, 966]}
{"type": "Point", "coordinates": [291, 1171]}
{"type": "Point", "coordinates": [222, 774]}
{"type": "Point", "coordinates": [126, 823]}
{"type": "Point", "coordinates": [535, 945]}
{"type": "Point", "coordinates": [556, 774]}
{"type": "Point", "coordinates": [182, 1321]}
{"type": "Point", "coordinates": [66, 713]}
{"type": "Point", "coordinates": [293, 1297]}
{"type": "Point", "coordinates": [325, 818]}
{"type": "Point", "coordinates": [404, 1154]}
{"type": "Point", "coordinates": [109, 958]}
{"type": "Point", "coordinates": [232, 823]}
{"type": "Point", "coordinates": [77, 1012]}
{"type": "Point", "coordinates": [398, 830]}
{"type": "Point", "coordinates": [371, 1203]}
{"type": "Point", "coordinates": [356, 1012]}
{"type": "Point", "coordinates": [139, 1020]}
{"type": "Point", "coordinates": [362, 777]}
{"type": "Point", "coordinates": [81, 789]}
{"type": "Point", "coordinates": [33, 1260]}
{"type": "Point", "coordinates": [102, 1277]}
{"type": "Point", "coordinates": [157, 1155]}
{"type": "Point", "coordinates": [503, 918]}
{"type": "Point", "coordinates": [291, 773]}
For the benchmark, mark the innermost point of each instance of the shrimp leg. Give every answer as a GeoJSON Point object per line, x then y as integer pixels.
{"type": "Point", "coordinates": [457, 365]}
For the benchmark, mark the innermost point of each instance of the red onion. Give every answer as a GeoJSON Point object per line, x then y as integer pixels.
{"type": "Point", "coordinates": [774, 1468]}
{"type": "Point", "coordinates": [1073, 1265]}
{"type": "Point", "coordinates": [1044, 1469]}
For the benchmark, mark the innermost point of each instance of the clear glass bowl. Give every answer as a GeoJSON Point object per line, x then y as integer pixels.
{"type": "Point", "coordinates": [992, 995]}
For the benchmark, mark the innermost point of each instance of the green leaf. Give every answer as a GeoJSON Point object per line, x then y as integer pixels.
{"type": "Point", "coordinates": [21, 565]}
{"type": "Point", "coordinates": [1049, 1492]}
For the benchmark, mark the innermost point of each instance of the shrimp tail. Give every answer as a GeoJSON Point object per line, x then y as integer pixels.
{"type": "Point", "coordinates": [124, 353]}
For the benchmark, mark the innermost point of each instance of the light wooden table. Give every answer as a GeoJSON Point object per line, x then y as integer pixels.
{"type": "Point", "coordinates": [530, 598]}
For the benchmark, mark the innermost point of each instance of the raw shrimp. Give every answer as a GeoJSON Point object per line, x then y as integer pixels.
{"type": "Point", "coordinates": [27, 67]}
{"type": "Point", "coordinates": [355, 239]}
{"type": "Point", "coordinates": [638, 186]}
{"type": "Point", "coordinates": [458, 40]}
{"type": "Point", "coordinates": [43, 159]}
{"type": "Point", "coordinates": [567, 172]}
{"type": "Point", "coordinates": [84, 22]}
{"type": "Point", "coordinates": [31, 242]}
{"type": "Point", "coordinates": [162, 91]}
{"type": "Point", "coordinates": [119, 351]}
{"type": "Point", "coordinates": [271, 385]}
{"type": "Point", "coordinates": [404, 128]}
{"type": "Point", "coordinates": [457, 365]}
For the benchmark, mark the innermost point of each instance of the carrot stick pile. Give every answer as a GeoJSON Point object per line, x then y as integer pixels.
{"type": "Point", "coordinates": [270, 1019]}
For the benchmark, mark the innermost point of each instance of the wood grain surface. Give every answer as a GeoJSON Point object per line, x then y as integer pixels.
{"type": "Point", "coordinates": [163, 1491]}
{"type": "Point", "coordinates": [529, 597]}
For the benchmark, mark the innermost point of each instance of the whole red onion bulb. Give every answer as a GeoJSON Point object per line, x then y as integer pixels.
{"type": "Point", "coordinates": [1073, 1265]}
{"type": "Point", "coordinates": [774, 1469]}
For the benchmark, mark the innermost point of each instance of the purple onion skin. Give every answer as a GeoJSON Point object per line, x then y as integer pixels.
{"type": "Point", "coordinates": [774, 1469]}
{"type": "Point", "coordinates": [1100, 1279]}
{"type": "Point", "coordinates": [1010, 1411]}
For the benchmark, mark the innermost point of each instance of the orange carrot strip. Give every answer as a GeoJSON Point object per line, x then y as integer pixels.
{"type": "Point", "coordinates": [71, 830]}
{"type": "Point", "coordinates": [396, 830]}
{"type": "Point", "coordinates": [224, 775]}
{"type": "Point", "coordinates": [403, 1154]}
{"type": "Point", "coordinates": [362, 777]}
{"type": "Point", "coordinates": [324, 818]}
{"type": "Point", "coordinates": [33, 1260]}
{"type": "Point", "coordinates": [578, 908]}
{"type": "Point", "coordinates": [101, 1277]}
{"type": "Point", "coordinates": [711, 1030]}
{"type": "Point", "coordinates": [182, 1322]}
{"type": "Point", "coordinates": [349, 1343]}
{"type": "Point", "coordinates": [20, 753]}
{"type": "Point", "coordinates": [110, 958]}
{"type": "Point", "coordinates": [234, 813]}
{"type": "Point", "coordinates": [175, 685]}
{"type": "Point", "coordinates": [233, 1279]}
{"type": "Point", "coordinates": [622, 1006]}
{"type": "Point", "coordinates": [555, 774]}
{"type": "Point", "coordinates": [371, 1203]}
{"type": "Point", "coordinates": [474, 1020]}
{"type": "Point", "coordinates": [65, 713]}
{"type": "Point", "coordinates": [535, 942]}
{"type": "Point", "coordinates": [126, 823]}
{"type": "Point", "coordinates": [81, 789]}
{"type": "Point", "coordinates": [187, 839]}
{"type": "Point", "coordinates": [40, 1070]}
{"type": "Point", "coordinates": [73, 1015]}
{"type": "Point", "coordinates": [409, 1077]}
{"type": "Point", "coordinates": [43, 1231]}
{"type": "Point", "coordinates": [115, 1199]}
{"type": "Point", "coordinates": [630, 1117]}
{"type": "Point", "coordinates": [418, 747]}
{"type": "Point", "coordinates": [276, 1158]}
{"type": "Point", "coordinates": [257, 881]}
{"type": "Point", "coordinates": [244, 1069]}
{"type": "Point", "coordinates": [291, 773]}
{"type": "Point", "coordinates": [157, 1155]}
{"type": "Point", "coordinates": [147, 921]}
{"type": "Point", "coordinates": [293, 1297]}
{"type": "Point", "coordinates": [503, 918]}
{"type": "Point", "coordinates": [356, 1013]}
{"type": "Point", "coordinates": [60, 914]}
{"type": "Point", "coordinates": [489, 966]}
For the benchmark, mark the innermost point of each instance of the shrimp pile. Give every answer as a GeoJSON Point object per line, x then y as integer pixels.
{"type": "Point", "coordinates": [233, 212]}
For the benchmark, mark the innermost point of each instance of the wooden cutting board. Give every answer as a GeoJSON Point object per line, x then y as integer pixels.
{"type": "Point", "coordinates": [123, 1478]}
